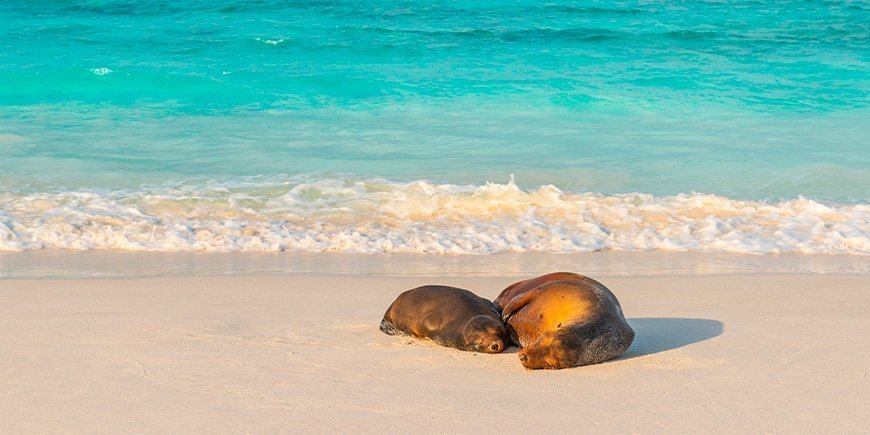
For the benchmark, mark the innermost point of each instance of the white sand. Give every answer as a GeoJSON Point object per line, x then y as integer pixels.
{"type": "Point", "coordinates": [724, 353]}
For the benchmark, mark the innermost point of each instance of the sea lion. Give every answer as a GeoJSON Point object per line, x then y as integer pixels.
{"type": "Point", "coordinates": [449, 316]}
{"type": "Point", "coordinates": [523, 286]}
{"type": "Point", "coordinates": [564, 320]}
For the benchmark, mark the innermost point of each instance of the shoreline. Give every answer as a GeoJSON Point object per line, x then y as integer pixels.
{"type": "Point", "coordinates": [63, 264]}
{"type": "Point", "coordinates": [713, 353]}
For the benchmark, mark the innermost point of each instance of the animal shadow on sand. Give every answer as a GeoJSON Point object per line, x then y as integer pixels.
{"type": "Point", "coordinates": [659, 334]}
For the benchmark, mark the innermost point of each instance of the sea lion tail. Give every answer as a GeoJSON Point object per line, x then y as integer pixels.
{"type": "Point", "coordinates": [389, 328]}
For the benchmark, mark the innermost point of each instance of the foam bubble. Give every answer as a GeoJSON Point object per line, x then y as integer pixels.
{"type": "Point", "coordinates": [377, 215]}
{"type": "Point", "coordinates": [101, 71]}
{"type": "Point", "coordinates": [270, 41]}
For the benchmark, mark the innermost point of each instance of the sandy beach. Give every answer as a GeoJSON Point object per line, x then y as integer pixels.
{"type": "Point", "coordinates": [730, 352]}
{"type": "Point", "coordinates": [207, 207]}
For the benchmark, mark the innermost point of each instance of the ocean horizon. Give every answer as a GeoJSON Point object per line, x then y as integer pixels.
{"type": "Point", "coordinates": [435, 127]}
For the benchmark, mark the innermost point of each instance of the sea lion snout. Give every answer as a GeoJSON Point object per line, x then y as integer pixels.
{"type": "Point", "coordinates": [496, 346]}
{"type": "Point", "coordinates": [526, 361]}
{"type": "Point", "coordinates": [541, 364]}
{"type": "Point", "coordinates": [550, 352]}
{"type": "Point", "coordinates": [534, 362]}
{"type": "Point", "coordinates": [486, 334]}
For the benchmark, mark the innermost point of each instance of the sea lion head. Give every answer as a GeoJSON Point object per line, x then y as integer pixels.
{"type": "Point", "coordinates": [556, 349]}
{"type": "Point", "coordinates": [485, 334]}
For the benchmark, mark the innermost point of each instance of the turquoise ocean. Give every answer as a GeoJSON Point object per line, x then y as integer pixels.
{"type": "Point", "coordinates": [435, 127]}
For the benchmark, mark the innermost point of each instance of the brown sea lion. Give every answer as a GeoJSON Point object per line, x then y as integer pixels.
{"type": "Point", "coordinates": [523, 286]}
{"type": "Point", "coordinates": [449, 316]}
{"type": "Point", "coordinates": [564, 320]}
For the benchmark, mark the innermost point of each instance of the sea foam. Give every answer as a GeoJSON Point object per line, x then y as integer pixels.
{"type": "Point", "coordinates": [378, 215]}
{"type": "Point", "coordinates": [101, 71]}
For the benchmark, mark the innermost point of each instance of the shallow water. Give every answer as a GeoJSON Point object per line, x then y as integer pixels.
{"type": "Point", "coordinates": [338, 126]}
{"type": "Point", "coordinates": [599, 265]}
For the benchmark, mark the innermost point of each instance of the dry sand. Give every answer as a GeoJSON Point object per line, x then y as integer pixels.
{"type": "Point", "coordinates": [718, 353]}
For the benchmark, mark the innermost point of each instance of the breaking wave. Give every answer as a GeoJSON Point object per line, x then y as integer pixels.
{"type": "Point", "coordinates": [386, 216]}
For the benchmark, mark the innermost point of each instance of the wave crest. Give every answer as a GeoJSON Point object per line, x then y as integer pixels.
{"type": "Point", "coordinates": [378, 215]}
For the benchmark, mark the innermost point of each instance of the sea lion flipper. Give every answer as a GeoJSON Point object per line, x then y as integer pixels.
{"type": "Point", "coordinates": [389, 328]}
{"type": "Point", "coordinates": [507, 291]}
{"type": "Point", "coordinates": [518, 302]}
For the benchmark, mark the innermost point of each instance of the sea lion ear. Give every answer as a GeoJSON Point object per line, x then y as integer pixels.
{"type": "Point", "coordinates": [518, 302]}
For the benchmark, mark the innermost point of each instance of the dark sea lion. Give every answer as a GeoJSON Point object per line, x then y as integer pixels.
{"type": "Point", "coordinates": [564, 320]}
{"type": "Point", "coordinates": [449, 316]}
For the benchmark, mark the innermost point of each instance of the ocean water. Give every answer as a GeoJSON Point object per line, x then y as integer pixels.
{"type": "Point", "coordinates": [435, 127]}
